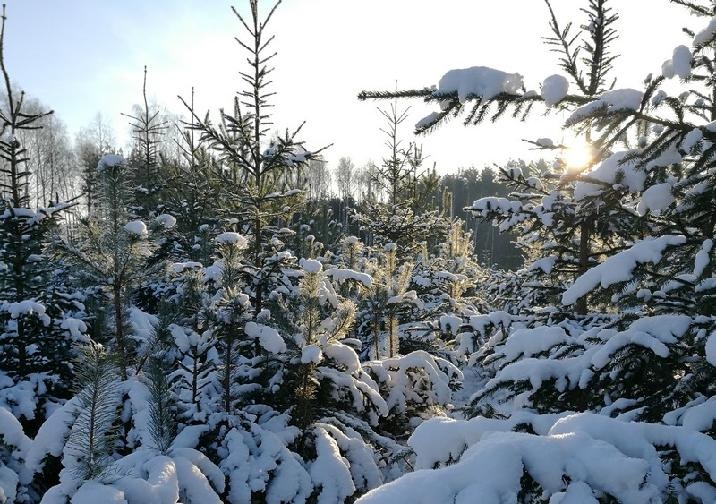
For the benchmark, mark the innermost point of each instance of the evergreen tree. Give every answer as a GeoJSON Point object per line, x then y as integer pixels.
{"type": "Point", "coordinates": [37, 327]}
{"type": "Point", "coordinates": [615, 326]}
{"type": "Point", "coordinates": [114, 250]}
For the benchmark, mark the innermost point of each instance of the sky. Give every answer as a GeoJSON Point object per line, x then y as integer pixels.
{"type": "Point", "coordinates": [81, 57]}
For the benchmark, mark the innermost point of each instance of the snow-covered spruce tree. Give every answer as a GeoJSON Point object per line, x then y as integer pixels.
{"type": "Point", "coordinates": [192, 194]}
{"type": "Point", "coordinates": [37, 328]}
{"type": "Point", "coordinates": [447, 285]}
{"type": "Point", "coordinates": [643, 352]}
{"type": "Point", "coordinates": [259, 177]}
{"type": "Point", "coordinates": [335, 404]}
{"type": "Point", "coordinates": [147, 127]}
{"type": "Point", "coordinates": [404, 219]}
{"type": "Point", "coordinates": [231, 311]}
{"type": "Point", "coordinates": [194, 345]}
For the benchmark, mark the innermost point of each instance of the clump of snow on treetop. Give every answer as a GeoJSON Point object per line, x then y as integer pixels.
{"type": "Point", "coordinates": [268, 337]}
{"type": "Point", "coordinates": [231, 238]}
{"type": "Point", "coordinates": [480, 81]}
{"type": "Point", "coordinates": [110, 161]}
{"type": "Point", "coordinates": [311, 266]}
{"type": "Point", "coordinates": [554, 89]}
{"type": "Point", "coordinates": [166, 221]}
{"type": "Point", "coordinates": [136, 228]}
{"type": "Point", "coordinates": [679, 64]}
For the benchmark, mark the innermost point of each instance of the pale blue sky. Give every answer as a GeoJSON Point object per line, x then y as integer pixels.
{"type": "Point", "coordinates": [85, 56]}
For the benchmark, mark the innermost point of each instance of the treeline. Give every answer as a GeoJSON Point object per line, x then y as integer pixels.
{"type": "Point", "coordinates": [63, 168]}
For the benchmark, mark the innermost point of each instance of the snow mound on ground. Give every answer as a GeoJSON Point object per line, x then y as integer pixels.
{"type": "Point", "coordinates": [579, 456]}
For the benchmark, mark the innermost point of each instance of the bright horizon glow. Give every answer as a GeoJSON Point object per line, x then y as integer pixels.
{"type": "Point", "coordinates": [86, 56]}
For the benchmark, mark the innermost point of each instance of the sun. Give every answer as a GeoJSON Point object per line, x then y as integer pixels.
{"type": "Point", "coordinates": [577, 156]}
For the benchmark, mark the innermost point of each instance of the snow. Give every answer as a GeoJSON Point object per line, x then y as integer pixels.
{"type": "Point", "coordinates": [342, 274]}
{"type": "Point", "coordinates": [681, 61]}
{"type": "Point", "coordinates": [143, 325]}
{"type": "Point", "coordinates": [656, 100]}
{"type": "Point", "coordinates": [616, 100]}
{"type": "Point", "coordinates": [701, 416]}
{"type": "Point", "coordinates": [343, 355]}
{"type": "Point", "coordinates": [427, 120]}
{"type": "Point", "coordinates": [679, 64]}
{"type": "Point", "coordinates": [450, 323]}
{"type": "Point", "coordinates": [269, 339]}
{"type": "Point", "coordinates": [492, 203]}
{"type": "Point", "coordinates": [529, 342]}
{"type": "Point", "coordinates": [231, 238]}
{"type": "Point", "coordinates": [311, 266]}
{"type": "Point", "coordinates": [92, 492]}
{"type": "Point", "coordinates": [311, 354]}
{"type": "Point", "coordinates": [8, 484]}
{"type": "Point", "coordinates": [11, 433]}
{"type": "Point", "coordinates": [608, 172]}
{"type": "Point", "coordinates": [481, 82]}
{"type": "Point", "coordinates": [691, 139]}
{"type": "Point", "coordinates": [166, 221]}
{"type": "Point", "coordinates": [77, 329]}
{"type": "Point", "coordinates": [25, 308]}
{"type": "Point", "coordinates": [656, 198]}
{"type": "Point", "coordinates": [110, 161]}
{"type": "Point", "coordinates": [703, 258]}
{"type": "Point", "coordinates": [554, 89]}
{"type": "Point", "coordinates": [706, 35]}
{"type": "Point", "coordinates": [579, 456]}
{"type": "Point", "coordinates": [51, 437]}
{"type": "Point", "coordinates": [136, 228]}
{"type": "Point", "coordinates": [620, 266]}
{"type": "Point", "coordinates": [330, 471]}
{"type": "Point", "coordinates": [711, 349]}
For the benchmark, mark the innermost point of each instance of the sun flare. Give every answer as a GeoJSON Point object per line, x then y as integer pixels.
{"type": "Point", "coordinates": [577, 156]}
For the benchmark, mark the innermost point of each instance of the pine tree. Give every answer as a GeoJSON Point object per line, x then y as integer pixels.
{"type": "Point", "coordinates": [90, 443]}
{"type": "Point", "coordinates": [114, 250]}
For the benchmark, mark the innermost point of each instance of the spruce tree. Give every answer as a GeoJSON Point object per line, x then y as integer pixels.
{"type": "Point", "coordinates": [37, 327]}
